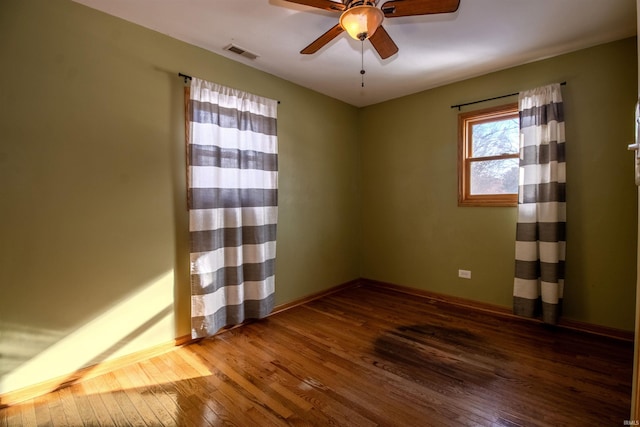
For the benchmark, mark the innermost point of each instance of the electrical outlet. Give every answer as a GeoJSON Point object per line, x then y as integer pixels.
{"type": "Point", "coordinates": [465, 274]}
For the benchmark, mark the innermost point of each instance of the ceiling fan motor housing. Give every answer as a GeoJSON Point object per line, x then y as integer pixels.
{"type": "Point", "coordinates": [361, 19]}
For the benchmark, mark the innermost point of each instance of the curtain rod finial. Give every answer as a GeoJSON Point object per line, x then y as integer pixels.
{"type": "Point", "coordinates": [186, 77]}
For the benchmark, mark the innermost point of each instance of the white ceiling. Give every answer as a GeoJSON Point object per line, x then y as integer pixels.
{"type": "Point", "coordinates": [481, 37]}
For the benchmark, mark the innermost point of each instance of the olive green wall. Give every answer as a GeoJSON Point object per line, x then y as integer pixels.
{"type": "Point", "coordinates": [414, 234]}
{"type": "Point", "coordinates": [94, 246]}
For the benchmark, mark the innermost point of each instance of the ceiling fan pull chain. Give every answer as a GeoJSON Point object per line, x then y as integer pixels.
{"type": "Point", "coordinates": [362, 61]}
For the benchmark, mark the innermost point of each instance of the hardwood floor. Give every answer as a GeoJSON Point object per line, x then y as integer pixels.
{"type": "Point", "coordinates": [365, 356]}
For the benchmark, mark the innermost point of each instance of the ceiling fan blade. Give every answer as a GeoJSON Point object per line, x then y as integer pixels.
{"type": "Point", "coordinates": [395, 8]}
{"type": "Point", "coordinates": [382, 42]}
{"type": "Point", "coordinates": [333, 32]}
{"type": "Point", "coordinates": [321, 4]}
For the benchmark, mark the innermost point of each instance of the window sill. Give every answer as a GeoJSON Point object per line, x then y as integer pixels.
{"type": "Point", "coordinates": [487, 202]}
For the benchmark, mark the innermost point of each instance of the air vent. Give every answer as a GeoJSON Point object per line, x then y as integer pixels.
{"type": "Point", "coordinates": [240, 51]}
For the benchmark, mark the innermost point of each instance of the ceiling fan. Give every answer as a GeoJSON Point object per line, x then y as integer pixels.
{"type": "Point", "coordinates": [362, 20]}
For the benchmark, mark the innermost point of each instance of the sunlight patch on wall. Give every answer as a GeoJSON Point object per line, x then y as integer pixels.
{"type": "Point", "coordinates": [142, 320]}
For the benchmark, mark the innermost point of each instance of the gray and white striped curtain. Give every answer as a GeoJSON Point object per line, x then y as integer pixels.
{"type": "Point", "coordinates": [233, 192]}
{"type": "Point", "coordinates": [540, 231]}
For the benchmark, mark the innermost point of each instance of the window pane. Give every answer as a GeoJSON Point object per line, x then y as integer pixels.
{"type": "Point", "coordinates": [494, 177]}
{"type": "Point", "coordinates": [495, 138]}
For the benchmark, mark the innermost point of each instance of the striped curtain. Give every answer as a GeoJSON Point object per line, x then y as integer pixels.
{"type": "Point", "coordinates": [233, 189]}
{"type": "Point", "coordinates": [540, 231]}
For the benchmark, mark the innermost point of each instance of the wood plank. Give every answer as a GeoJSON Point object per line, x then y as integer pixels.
{"type": "Point", "coordinates": [28, 412]}
{"type": "Point", "coordinates": [86, 413]}
{"type": "Point", "coordinates": [241, 400]}
{"type": "Point", "coordinates": [43, 414]}
{"type": "Point", "coordinates": [174, 400]}
{"type": "Point", "coordinates": [196, 387]}
{"type": "Point", "coordinates": [70, 408]}
{"type": "Point", "coordinates": [137, 383]}
{"type": "Point", "coordinates": [147, 408]}
{"type": "Point", "coordinates": [86, 391]}
{"type": "Point", "coordinates": [301, 396]}
{"type": "Point", "coordinates": [56, 409]}
{"type": "Point", "coordinates": [122, 399]}
{"type": "Point", "coordinates": [264, 372]}
{"type": "Point", "coordinates": [100, 389]}
{"type": "Point", "coordinates": [13, 416]}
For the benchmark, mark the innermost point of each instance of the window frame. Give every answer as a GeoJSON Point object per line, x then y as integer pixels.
{"type": "Point", "coordinates": [465, 122]}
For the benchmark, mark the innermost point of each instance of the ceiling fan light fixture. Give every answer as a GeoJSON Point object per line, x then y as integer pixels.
{"type": "Point", "coordinates": [360, 22]}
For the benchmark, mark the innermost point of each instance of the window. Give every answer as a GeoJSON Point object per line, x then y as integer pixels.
{"type": "Point", "coordinates": [488, 157]}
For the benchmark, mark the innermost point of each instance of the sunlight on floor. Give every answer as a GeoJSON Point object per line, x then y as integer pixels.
{"type": "Point", "coordinates": [150, 374]}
